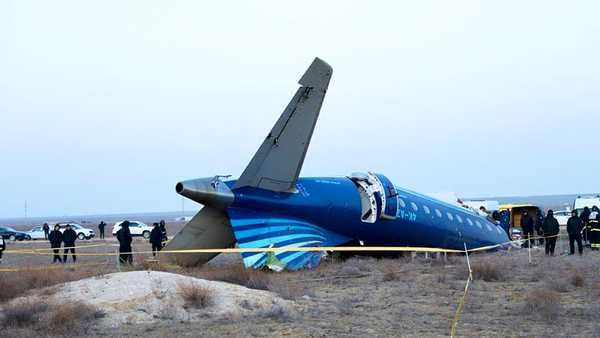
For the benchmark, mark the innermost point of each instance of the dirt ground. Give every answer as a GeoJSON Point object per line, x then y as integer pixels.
{"type": "Point", "coordinates": [408, 297]}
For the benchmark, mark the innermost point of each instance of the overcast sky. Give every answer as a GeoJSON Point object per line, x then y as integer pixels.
{"type": "Point", "coordinates": [105, 105]}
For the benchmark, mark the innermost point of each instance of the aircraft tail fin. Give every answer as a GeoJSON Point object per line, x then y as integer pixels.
{"type": "Point", "coordinates": [277, 163]}
{"type": "Point", "coordinates": [208, 229]}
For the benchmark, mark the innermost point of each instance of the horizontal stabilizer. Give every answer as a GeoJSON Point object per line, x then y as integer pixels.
{"type": "Point", "coordinates": [263, 230]}
{"type": "Point", "coordinates": [208, 229]}
{"type": "Point", "coordinates": [277, 163]}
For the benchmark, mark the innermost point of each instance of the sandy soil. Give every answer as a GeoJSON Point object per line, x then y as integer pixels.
{"type": "Point", "coordinates": [137, 297]}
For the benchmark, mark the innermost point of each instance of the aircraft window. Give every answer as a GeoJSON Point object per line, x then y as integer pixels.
{"type": "Point", "coordinates": [488, 227]}
{"type": "Point", "coordinates": [469, 221]}
{"type": "Point", "coordinates": [414, 206]}
{"type": "Point", "coordinates": [478, 224]}
{"type": "Point", "coordinates": [438, 213]}
{"type": "Point", "coordinates": [402, 203]}
{"type": "Point", "coordinates": [498, 229]}
{"type": "Point", "coordinates": [427, 211]}
{"type": "Point", "coordinates": [459, 218]}
{"type": "Point", "coordinates": [450, 216]}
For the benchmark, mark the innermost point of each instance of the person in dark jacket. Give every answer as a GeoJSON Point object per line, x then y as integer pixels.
{"type": "Point", "coordinates": [594, 230]}
{"type": "Point", "coordinates": [538, 226]}
{"type": "Point", "coordinates": [551, 229]}
{"type": "Point", "coordinates": [585, 218]}
{"type": "Point", "coordinates": [505, 221]}
{"type": "Point", "coordinates": [101, 227]}
{"type": "Point", "coordinates": [2, 247]}
{"type": "Point", "coordinates": [125, 239]}
{"type": "Point", "coordinates": [527, 226]}
{"type": "Point", "coordinates": [69, 237]}
{"type": "Point", "coordinates": [156, 239]}
{"type": "Point", "coordinates": [56, 237]}
{"type": "Point", "coordinates": [574, 228]}
{"type": "Point", "coordinates": [163, 231]}
{"type": "Point", "coordinates": [46, 229]}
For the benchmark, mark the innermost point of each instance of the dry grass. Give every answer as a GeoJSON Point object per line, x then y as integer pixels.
{"type": "Point", "coordinates": [290, 290]}
{"type": "Point", "coordinates": [543, 304]}
{"type": "Point", "coordinates": [558, 284]}
{"type": "Point", "coordinates": [14, 284]}
{"type": "Point", "coordinates": [490, 271]}
{"type": "Point", "coordinates": [276, 313]}
{"type": "Point", "coordinates": [235, 274]}
{"type": "Point", "coordinates": [22, 313]}
{"type": "Point", "coordinates": [578, 279]}
{"type": "Point", "coordinates": [42, 318]}
{"type": "Point", "coordinates": [390, 273]}
{"type": "Point", "coordinates": [346, 305]}
{"type": "Point", "coordinates": [195, 296]}
{"type": "Point", "coordinates": [71, 317]}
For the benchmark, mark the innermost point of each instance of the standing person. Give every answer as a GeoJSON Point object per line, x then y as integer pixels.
{"type": "Point", "coordinates": [585, 218]}
{"type": "Point", "coordinates": [505, 222]}
{"type": "Point", "coordinates": [527, 226]}
{"type": "Point", "coordinates": [594, 230]}
{"type": "Point", "coordinates": [125, 239]}
{"type": "Point", "coordinates": [163, 231]}
{"type": "Point", "coordinates": [56, 237]}
{"type": "Point", "coordinates": [69, 237]}
{"type": "Point", "coordinates": [101, 227]}
{"type": "Point", "coordinates": [551, 229]}
{"type": "Point", "coordinates": [46, 229]}
{"type": "Point", "coordinates": [2, 247]}
{"type": "Point", "coordinates": [156, 239]}
{"type": "Point", "coordinates": [538, 226]}
{"type": "Point", "coordinates": [574, 227]}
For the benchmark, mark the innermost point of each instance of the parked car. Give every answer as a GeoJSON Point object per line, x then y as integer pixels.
{"type": "Point", "coordinates": [36, 233]}
{"type": "Point", "coordinates": [82, 233]}
{"type": "Point", "coordinates": [562, 216]}
{"type": "Point", "coordinates": [12, 234]}
{"type": "Point", "coordinates": [135, 227]}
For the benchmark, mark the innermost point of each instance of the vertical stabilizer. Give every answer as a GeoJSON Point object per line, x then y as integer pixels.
{"type": "Point", "coordinates": [277, 163]}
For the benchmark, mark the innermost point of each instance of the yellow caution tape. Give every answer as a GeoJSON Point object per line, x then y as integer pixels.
{"type": "Point", "coordinates": [47, 251]}
{"type": "Point", "coordinates": [458, 312]}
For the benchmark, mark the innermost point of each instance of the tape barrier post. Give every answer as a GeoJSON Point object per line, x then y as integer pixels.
{"type": "Point", "coordinates": [118, 259]}
{"type": "Point", "coordinates": [461, 303]}
{"type": "Point", "coordinates": [529, 248]}
{"type": "Point", "coordinates": [468, 262]}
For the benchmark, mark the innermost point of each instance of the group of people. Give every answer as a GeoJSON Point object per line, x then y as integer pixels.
{"type": "Point", "coordinates": [58, 238]}
{"type": "Point", "coordinates": [580, 228]}
{"type": "Point", "coordinates": [158, 238]}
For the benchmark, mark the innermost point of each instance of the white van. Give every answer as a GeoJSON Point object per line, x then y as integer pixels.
{"type": "Point", "coordinates": [586, 201]}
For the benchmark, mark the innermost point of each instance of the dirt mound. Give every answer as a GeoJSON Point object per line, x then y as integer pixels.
{"type": "Point", "coordinates": [147, 296]}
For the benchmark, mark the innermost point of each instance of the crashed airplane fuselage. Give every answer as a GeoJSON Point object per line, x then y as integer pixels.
{"type": "Point", "coordinates": [270, 206]}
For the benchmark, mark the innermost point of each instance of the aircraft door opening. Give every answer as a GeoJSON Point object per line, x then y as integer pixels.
{"type": "Point", "coordinates": [377, 196]}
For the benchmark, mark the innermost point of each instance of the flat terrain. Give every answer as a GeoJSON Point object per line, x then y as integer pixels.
{"type": "Point", "coordinates": [362, 296]}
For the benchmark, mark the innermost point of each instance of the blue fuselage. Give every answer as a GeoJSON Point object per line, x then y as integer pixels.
{"type": "Point", "coordinates": [334, 204]}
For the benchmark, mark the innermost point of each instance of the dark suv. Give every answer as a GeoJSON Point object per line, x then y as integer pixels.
{"type": "Point", "coordinates": [12, 234]}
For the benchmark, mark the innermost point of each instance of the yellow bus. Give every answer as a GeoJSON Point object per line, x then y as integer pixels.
{"type": "Point", "coordinates": [516, 210]}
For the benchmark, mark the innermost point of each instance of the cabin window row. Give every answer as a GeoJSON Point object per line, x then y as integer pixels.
{"type": "Point", "coordinates": [439, 214]}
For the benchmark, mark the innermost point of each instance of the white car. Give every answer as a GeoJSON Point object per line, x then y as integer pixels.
{"type": "Point", "coordinates": [135, 227]}
{"type": "Point", "coordinates": [36, 233]}
{"type": "Point", "coordinates": [562, 216]}
{"type": "Point", "coordinates": [82, 233]}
